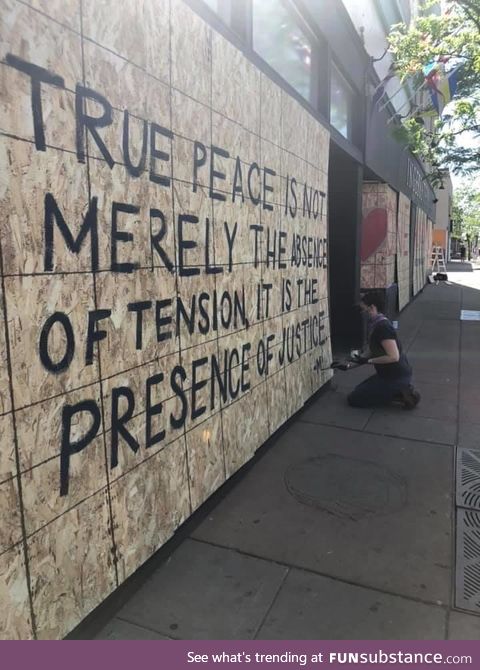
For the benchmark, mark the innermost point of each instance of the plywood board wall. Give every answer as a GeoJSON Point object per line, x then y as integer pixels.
{"type": "Point", "coordinates": [163, 299]}
{"type": "Point", "coordinates": [422, 250]}
{"type": "Point", "coordinates": [379, 236]}
{"type": "Point", "coordinates": [403, 250]}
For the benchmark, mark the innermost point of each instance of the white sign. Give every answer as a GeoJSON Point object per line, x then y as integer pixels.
{"type": "Point", "coordinates": [469, 315]}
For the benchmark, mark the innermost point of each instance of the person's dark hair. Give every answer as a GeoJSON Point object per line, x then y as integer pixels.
{"type": "Point", "coordinates": [374, 298]}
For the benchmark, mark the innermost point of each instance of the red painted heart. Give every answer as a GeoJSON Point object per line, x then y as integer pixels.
{"type": "Point", "coordinates": [374, 232]}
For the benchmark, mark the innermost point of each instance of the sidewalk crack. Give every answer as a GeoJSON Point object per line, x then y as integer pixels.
{"type": "Point", "coordinates": [367, 421]}
{"type": "Point", "coordinates": [274, 600]}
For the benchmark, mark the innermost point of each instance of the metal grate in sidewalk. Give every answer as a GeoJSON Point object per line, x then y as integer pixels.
{"type": "Point", "coordinates": [467, 577]}
{"type": "Point", "coordinates": [467, 573]}
{"type": "Point", "coordinates": [468, 478]}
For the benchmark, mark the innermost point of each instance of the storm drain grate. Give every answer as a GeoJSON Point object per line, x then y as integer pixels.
{"type": "Point", "coordinates": [467, 579]}
{"type": "Point", "coordinates": [468, 478]}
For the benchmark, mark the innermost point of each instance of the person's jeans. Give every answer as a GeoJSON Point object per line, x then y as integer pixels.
{"type": "Point", "coordinates": [376, 391]}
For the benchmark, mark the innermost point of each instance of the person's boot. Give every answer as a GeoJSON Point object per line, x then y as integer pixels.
{"type": "Point", "coordinates": [410, 397]}
{"type": "Point", "coordinates": [398, 399]}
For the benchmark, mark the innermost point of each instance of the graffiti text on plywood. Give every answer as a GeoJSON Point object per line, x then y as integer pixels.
{"type": "Point", "coordinates": [252, 180]}
{"type": "Point", "coordinates": [271, 313]}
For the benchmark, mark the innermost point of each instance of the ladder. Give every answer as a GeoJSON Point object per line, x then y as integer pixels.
{"type": "Point", "coordinates": [438, 260]}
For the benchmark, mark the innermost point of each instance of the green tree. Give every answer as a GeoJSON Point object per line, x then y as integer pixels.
{"type": "Point", "coordinates": [453, 39]}
{"type": "Point", "coordinates": [466, 216]}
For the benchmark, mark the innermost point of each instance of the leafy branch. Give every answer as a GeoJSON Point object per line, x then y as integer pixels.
{"type": "Point", "coordinates": [453, 40]}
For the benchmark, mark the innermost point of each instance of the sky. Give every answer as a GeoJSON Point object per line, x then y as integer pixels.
{"type": "Point", "coordinates": [467, 140]}
{"type": "Point", "coordinates": [459, 181]}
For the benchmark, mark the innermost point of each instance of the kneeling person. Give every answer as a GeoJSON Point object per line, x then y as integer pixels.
{"type": "Point", "coordinates": [393, 378]}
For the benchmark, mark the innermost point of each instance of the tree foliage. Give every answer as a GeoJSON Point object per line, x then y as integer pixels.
{"type": "Point", "coordinates": [466, 215]}
{"type": "Point", "coordinates": [454, 39]}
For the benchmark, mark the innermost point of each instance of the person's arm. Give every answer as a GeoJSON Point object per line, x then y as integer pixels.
{"type": "Point", "coordinates": [392, 355]}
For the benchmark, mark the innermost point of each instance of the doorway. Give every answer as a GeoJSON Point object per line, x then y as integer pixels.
{"type": "Point", "coordinates": [344, 231]}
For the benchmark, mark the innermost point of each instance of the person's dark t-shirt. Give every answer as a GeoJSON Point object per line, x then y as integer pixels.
{"type": "Point", "coordinates": [384, 330]}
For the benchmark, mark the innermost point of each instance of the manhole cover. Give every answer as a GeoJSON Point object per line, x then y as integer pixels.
{"type": "Point", "coordinates": [346, 487]}
{"type": "Point", "coordinates": [467, 581]}
{"type": "Point", "coordinates": [468, 478]}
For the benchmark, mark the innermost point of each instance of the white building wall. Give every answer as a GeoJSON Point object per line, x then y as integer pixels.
{"type": "Point", "coordinates": [443, 215]}
{"type": "Point", "coordinates": [365, 18]}
{"type": "Point", "coordinates": [444, 205]}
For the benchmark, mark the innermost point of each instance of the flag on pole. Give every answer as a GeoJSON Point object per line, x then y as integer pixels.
{"type": "Point", "coordinates": [441, 84]}
{"type": "Point", "coordinates": [445, 90]}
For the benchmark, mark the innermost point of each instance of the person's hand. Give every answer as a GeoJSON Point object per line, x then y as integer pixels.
{"type": "Point", "coordinates": [360, 360]}
{"type": "Point", "coordinates": [337, 365]}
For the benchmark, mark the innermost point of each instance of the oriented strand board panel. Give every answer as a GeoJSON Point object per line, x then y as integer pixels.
{"type": "Point", "coordinates": [379, 236]}
{"type": "Point", "coordinates": [164, 299]}
{"type": "Point", "coordinates": [15, 618]}
{"type": "Point", "coordinates": [422, 250]}
{"type": "Point", "coordinates": [403, 250]}
{"type": "Point", "coordinates": [71, 566]}
{"type": "Point", "coordinates": [429, 247]}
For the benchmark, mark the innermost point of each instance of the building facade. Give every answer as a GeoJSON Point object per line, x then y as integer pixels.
{"type": "Point", "coordinates": [193, 196]}
{"type": "Point", "coordinates": [443, 224]}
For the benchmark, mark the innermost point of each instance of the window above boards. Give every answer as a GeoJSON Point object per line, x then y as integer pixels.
{"type": "Point", "coordinates": [341, 103]}
{"type": "Point", "coordinates": [278, 38]}
{"type": "Point", "coordinates": [286, 38]}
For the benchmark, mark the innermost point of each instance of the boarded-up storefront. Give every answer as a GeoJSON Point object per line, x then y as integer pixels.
{"type": "Point", "coordinates": [403, 246]}
{"type": "Point", "coordinates": [385, 242]}
{"type": "Point", "coordinates": [379, 236]}
{"type": "Point", "coordinates": [422, 250]}
{"type": "Point", "coordinates": [163, 305]}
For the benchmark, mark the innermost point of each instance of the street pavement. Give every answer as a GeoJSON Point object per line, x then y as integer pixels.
{"type": "Point", "coordinates": [343, 526]}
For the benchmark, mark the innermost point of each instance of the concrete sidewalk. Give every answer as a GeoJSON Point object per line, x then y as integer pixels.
{"type": "Point", "coordinates": [344, 527]}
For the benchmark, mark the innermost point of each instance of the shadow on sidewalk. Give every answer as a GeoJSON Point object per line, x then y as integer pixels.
{"type": "Point", "coordinates": [460, 266]}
